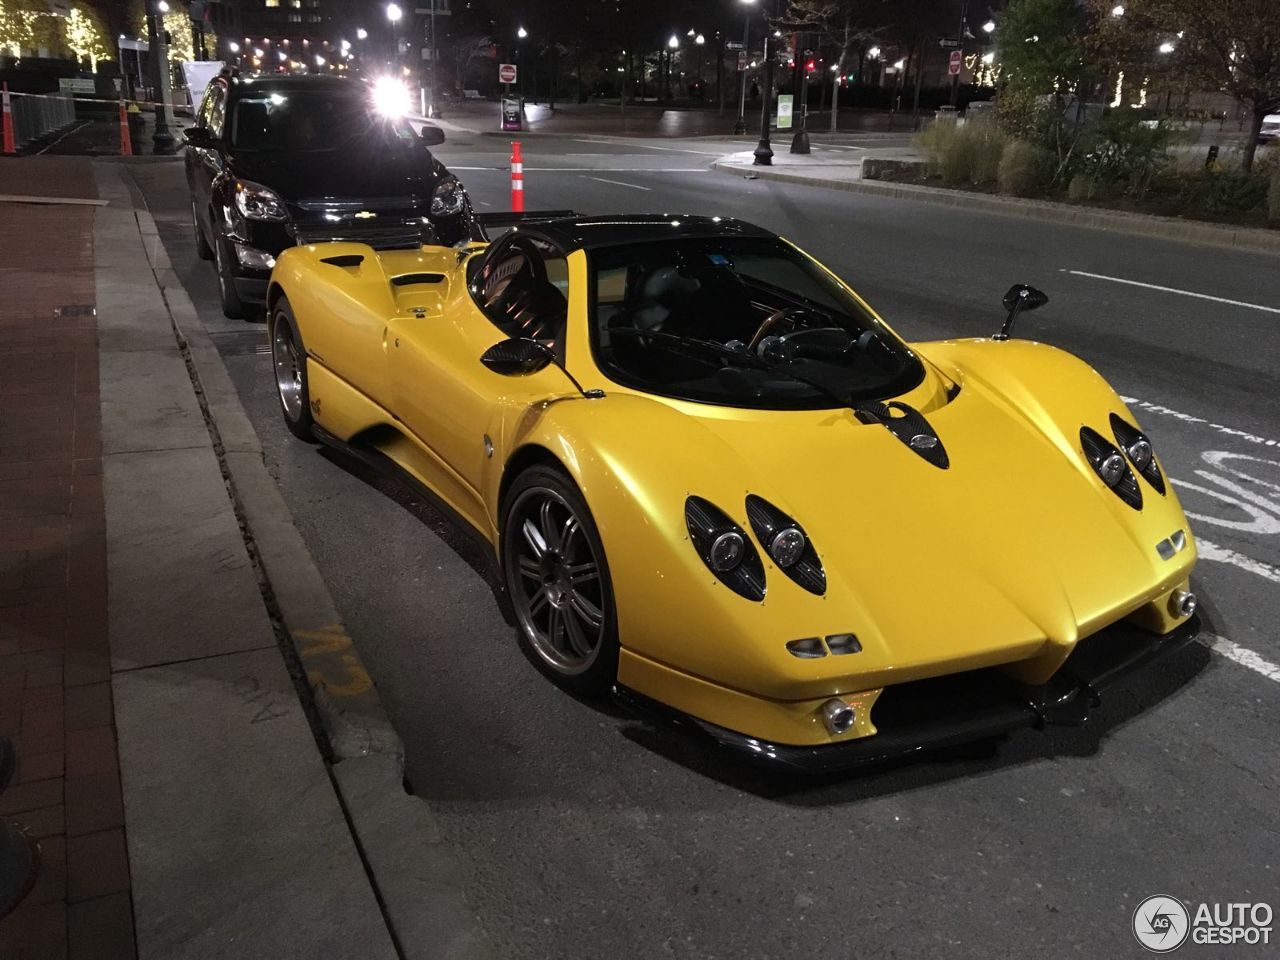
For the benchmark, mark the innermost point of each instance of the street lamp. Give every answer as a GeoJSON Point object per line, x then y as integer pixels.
{"type": "Point", "coordinates": [673, 44]}
{"type": "Point", "coordinates": [989, 26]}
{"type": "Point", "coordinates": [163, 141]}
{"type": "Point", "coordinates": [362, 33]}
{"type": "Point", "coordinates": [233, 47]}
{"type": "Point", "coordinates": [874, 53]}
{"type": "Point", "coordinates": [522, 33]}
{"type": "Point", "coordinates": [394, 13]}
{"type": "Point", "coordinates": [1117, 10]}
{"type": "Point", "coordinates": [1166, 47]}
{"type": "Point", "coordinates": [740, 126]}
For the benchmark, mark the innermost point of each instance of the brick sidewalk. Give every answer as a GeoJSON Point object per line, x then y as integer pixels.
{"type": "Point", "coordinates": [55, 690]}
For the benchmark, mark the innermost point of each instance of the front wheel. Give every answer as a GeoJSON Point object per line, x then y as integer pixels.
{"type": "Point", "coordinates": [224, 257]}
{"type": "Point", "coordinates": [289, 361]}
{"type": "Point", "coordinates": [558, 580]}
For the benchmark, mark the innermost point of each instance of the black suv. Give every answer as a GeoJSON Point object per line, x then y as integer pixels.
{"type": "Point", "coordinates": [275, 161]}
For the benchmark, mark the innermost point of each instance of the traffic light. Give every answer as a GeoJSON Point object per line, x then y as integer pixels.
{"type": "Point", "coordinates": [810, 66]}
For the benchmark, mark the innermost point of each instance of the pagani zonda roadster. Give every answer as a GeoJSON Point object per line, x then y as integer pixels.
{"type": "Point", "coordinates": [714, 481]}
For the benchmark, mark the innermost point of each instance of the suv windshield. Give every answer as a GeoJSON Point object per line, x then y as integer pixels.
{"type": "Point", "coordinates": [311, 120]}
{"type": "Point", "coordinates": [739, 322]}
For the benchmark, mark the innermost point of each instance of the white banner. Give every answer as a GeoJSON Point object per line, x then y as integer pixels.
{"type": "Point", "coordinates": [198, 74]}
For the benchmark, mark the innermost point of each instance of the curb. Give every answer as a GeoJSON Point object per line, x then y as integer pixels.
{"type": "Point", "coordinates": [1139, 224]}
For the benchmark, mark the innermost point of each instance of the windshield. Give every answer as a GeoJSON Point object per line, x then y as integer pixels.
{"type": "Point", "coordinates": [312, 120]}
{"type": "Point", "coordinates": [739, 322]}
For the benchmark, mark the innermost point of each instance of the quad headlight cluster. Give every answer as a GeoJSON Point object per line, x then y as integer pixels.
{"type": "Point", "coordinates": [256, 202]}
{"type": "Point", "coordinates": [448, 198]}
{"type": "Point", "coordinates": [1112, 461]}
{"type": "Point", "coordinates": [731, 555]}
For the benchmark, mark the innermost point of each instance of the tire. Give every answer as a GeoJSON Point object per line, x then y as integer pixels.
{"type": "Point", "coordinates": [203, 250]}
{"type": "Point", "coordinates": [289, 367]}
{"type": "Point", "coordinates": [557, 577]}
{"type": "Point", "coordinates": [224, 256]}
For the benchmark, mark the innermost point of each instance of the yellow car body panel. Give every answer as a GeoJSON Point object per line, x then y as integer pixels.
{"type": "Point", "coordinates": [1007, 558]}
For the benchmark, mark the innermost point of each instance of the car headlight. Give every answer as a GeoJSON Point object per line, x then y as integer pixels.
{"type": "Point", "coordinates": [787, 544]}
{"type": "Point", "coordinates": [1110, 466]}
{"type": "Point", "coordinates": [448, 198]}
{"type": "Point", "coordinates": [256, 202]}
{"type": "Point", "coordinates": [724, 548]}
{"type": "Point", "coordinates": [1137, 447]}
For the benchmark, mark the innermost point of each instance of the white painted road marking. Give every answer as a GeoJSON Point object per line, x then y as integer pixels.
{"type": "Point", "coordinates": [1243, 656]}
{"type": "Point", "coordinates": [1183, 293]}
{"type": "Point", "coordinates": [1211, 551]}
{"type": "Point", "coordinates": [645, 146]}
{"type": "Point", "coordinates": [1191, 418]}
{"type": "Point", "coordinates": [619, 183]}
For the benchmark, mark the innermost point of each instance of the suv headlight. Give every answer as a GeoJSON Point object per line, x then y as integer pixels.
{"type": "Point", "coordinates": [448, 198]}
{"type": "Point", "coordinates": [256, 202]}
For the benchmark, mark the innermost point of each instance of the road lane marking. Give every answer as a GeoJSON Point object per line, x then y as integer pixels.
{"type": "Point", "coordinates": [619, 183]}
{"type": "Point", "coordinates": [1243, 656]}
{"type": "Point", "coordinates": [645, 146]}
{"type": "Point", "coordinates": [529, 169]}
{"type": "Point", "coordinates": [1192, 418]}
{"type": "Point", "coordinates": [1211, 551]}
{"type": "Point", "coordinates": [20, 198]}
{"type": "Point", "coordinates": [1184, 293]}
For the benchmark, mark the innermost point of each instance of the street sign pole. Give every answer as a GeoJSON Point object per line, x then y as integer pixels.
{"type": "Point", "coordinates": [763, 151]}
{"type": "Point", "coordinates": [953, 65]}
{"type": "Point", "coordinates": [740, 127]}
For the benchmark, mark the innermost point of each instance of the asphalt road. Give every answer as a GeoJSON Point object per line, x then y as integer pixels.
{"type": "Point", "coordinates": [588, 834]}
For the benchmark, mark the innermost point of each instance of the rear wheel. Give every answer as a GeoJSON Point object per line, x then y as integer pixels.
{"type": "Point", "coordinates": [558, 579]}
{"type": "Point", "coordinates": [288, 361]}
{"type": "Point", "coordinates": [224, 257]}
{"type": "Point", "coordinates": [203, 250]}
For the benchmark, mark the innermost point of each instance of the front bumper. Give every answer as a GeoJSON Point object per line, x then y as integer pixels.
{"type": "Point", "coordinates": [924, 715]}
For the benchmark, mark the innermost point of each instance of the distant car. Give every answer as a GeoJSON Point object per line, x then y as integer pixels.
{"type": "Point", "coordinates": [1270, 129]}
{"type": "Point", "coordinates": [273, 161]}
{"type": "Point", "coordinates": [712, 480]}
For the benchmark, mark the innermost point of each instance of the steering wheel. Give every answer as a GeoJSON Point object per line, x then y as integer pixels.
{"type": "Point", "coordinates": [767, 326]}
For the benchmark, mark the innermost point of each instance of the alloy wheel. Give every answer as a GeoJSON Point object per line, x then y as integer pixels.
{"type": "Point", "coordinates": [554, 577]}
{"type": "Point", "coordinates": [284, 354]}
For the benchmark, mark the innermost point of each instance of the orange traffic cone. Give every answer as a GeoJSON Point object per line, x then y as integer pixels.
{"type": "Point", "coordinates": [517, 178]}
{"type": "Point", "coordinates": [126, 145]}
{"type": "Point", "coordinates": [9, 145]}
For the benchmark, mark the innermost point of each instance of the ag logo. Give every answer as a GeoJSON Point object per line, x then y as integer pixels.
{"type": "Point", "coordinates": [1161, 924]}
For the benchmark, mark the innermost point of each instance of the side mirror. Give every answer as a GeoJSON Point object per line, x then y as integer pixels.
{"type": "Point", "coordinates": [517, 357]}
{"type": "Point", "coordinates": [201, 139]}
{"type": "Point", "coordinates": [1020, 297]}
{"type": "Point", "coordinates": [432, 136]}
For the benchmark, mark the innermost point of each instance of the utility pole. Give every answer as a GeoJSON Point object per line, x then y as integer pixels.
{"type": "Point", "coordinates": [162, 140]}
{"type": "Point", "coordinates": [955, 80]}
{"type": "Point", "coordinates": [763, 151]}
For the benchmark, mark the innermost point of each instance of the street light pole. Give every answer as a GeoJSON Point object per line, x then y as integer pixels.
{"type": "Point", "coordinates": [763, 151]}
{"type": "Point", "coordinates": [740, 127]}
{"type": "Point", "coordinates": [800, 139]}
{"type": "Point", "coordinates": [955, 79]}
{"type": "Point", "coordinates": [162, 140]}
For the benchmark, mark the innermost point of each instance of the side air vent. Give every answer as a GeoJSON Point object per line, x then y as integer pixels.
{"type": "Point", "coordinates": [409, 279]}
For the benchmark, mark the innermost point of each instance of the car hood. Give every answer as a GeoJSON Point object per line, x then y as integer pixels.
{"type": "Point", "coordinates": [377, 176]}
{"type": "Point", "coordinates": [1015, 545]}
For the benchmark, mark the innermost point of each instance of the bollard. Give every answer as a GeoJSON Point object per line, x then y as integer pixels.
{"type": "Point", "coordinates": [9, 145]}
{"type": "Point", "coordinates": [126, 143]}
{"type": "Point", "coordinates": [517, 178]}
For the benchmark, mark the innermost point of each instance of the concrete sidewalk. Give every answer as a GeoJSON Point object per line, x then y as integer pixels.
{"type": "Point", "coordinates": [257, 806]}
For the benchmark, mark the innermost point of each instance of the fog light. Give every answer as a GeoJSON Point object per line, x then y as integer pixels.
{"type": "Point", "coordinates": [1184, 603]}
{"type": "Point", "coordinates": [253, 258]}
{"type": "Point", "coordinates": [837, 715]}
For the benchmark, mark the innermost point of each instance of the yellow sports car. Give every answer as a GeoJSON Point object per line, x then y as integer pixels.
{"type": "Point", "coordinates": [716, 483]}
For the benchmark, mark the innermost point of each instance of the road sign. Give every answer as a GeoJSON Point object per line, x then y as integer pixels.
{"type": "Point", "coordinates": [948, 42]}
{"type": "Point", "coordinates": [955, 63]}
{"type": "Point", "coordinates": [742, 61]}
{"type": "Point", "coordinates": [786, 103]}
{"type": "Point", "coordinates": [734, 45]}
{"type": "Point", "coordinates": [506, 73]}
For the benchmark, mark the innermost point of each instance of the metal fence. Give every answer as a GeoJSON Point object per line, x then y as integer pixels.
{"type": "Point", "coordinates": [35, 117]}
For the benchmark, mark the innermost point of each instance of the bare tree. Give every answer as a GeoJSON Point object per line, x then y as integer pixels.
{"type": "Point", "coordinates": [844, 25]}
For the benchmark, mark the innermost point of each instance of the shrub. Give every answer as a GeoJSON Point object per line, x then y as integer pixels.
{"type": "Point", "coordinates": [1219, 192]}
{"type": "Point", "coordinates": [1127, 151]}
{"type": "Point", "coordinates": [1020, 167]}
{"type": "Point", "coordinates": [1082, 188]}
{"type": "Point", "coordinates": [1273, 195]}
{"type": "Point", "coordinates": [962, 153]}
